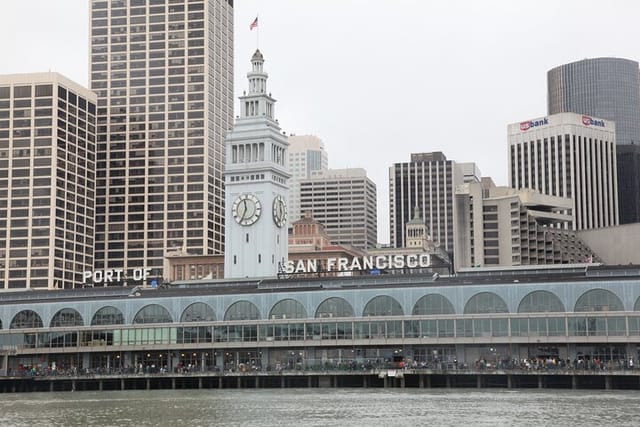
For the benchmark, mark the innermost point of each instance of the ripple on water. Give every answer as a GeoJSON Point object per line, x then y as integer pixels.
{"type": "Point", "coordinates": [321, 407]}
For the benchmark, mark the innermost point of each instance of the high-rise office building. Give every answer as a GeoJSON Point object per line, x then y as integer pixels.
{"type": "Point", "coordinates": [47, 179]}
{"type": "Point", "coordinates": [628, 164]}
{"type": "Point", "coordinates": [344, 201]}
{"type": "Point", "coordinates": [427, 183]}
{"type": "Point", "coordinates": [568, 155]}
{"type": "Point", "coordinates": [502, 226]}
{"type": "Point", "coordinates": [163, 73]}
{"type": "Point", "coordinates": [306, 155]}
{"type": "Point", "coordinates": [608, 88]}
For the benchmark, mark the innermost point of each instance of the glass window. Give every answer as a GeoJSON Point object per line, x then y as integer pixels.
{"type": "Point", "coordinates": [598, 300]}
{"type": "Point", "coordinates": [616, 326]}
{"type": "Point", "coordinates": [288, 309]}
{"type": "Point", "coordinates": [198, 312]}
{"type": "Point", "coordinates": [66, 317]}
{"type": "Point", "coordinates": [433, 304]}
{"type": "Point", "coordinates": [485, 302]}
{"type": "Point", "coordinates": [153, 313]}
{"type": "Point", "coordinates": [108, 316]}
{"type": "Point", "coordinates": [541, 302]}
{"type": "Point", "coordinates": [26, 319]}
{"type": "Point", "coordinates": [383, 305]}
{"type": "Point", "coordinates": [335, 307]}
{"type": "Point", "coordinates": [242, 310]}
{"type": "Point", "coordinates": [22, 92]}
{"type": "Point", "coordinates": [44, 90]}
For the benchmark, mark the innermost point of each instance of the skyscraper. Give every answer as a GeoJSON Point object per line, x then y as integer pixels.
{"type": "Point", "coordinates": [427, 183]}
{"type": "Point", "coordinates": [344, 201]}
{"type": "Point", "coordinates": [568, 155]}
{"type": "Point", "coordinates": [608, 88]}
{"type": "Point", "coordinates": [163, 73]}
{"type": "Point", "coordinates": [306, 155]}
{"type": "Point", "coordinates": [47, 177]}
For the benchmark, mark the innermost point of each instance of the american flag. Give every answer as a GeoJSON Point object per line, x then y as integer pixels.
{"type": "Point", "coordinates": [254, 24]}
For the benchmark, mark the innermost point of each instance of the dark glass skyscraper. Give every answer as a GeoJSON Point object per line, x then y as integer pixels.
{"type": "Point", "coordinates": [608, 88]}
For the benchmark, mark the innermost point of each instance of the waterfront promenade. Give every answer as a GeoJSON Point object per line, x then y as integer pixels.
{"type": "Point", "coordinates": [515, 377]}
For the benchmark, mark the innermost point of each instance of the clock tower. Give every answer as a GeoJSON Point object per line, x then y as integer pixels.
{"type": "Point", "coordinates": [256, 189]}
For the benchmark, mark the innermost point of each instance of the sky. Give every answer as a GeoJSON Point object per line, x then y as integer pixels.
{"type": "Point", "coordinates": [377, 80]}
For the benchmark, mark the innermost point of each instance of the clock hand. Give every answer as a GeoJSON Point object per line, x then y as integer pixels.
{"type": "Point", "coordinates": [246, 209]}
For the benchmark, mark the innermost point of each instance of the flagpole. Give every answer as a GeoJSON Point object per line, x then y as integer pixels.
{"type": "Point", "coordinates": [258, 33]}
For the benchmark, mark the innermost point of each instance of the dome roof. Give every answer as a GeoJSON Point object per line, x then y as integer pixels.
{"type": "Point", "coordinates": [257, 56]}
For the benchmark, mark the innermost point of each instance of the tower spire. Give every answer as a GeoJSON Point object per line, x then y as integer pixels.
{"type": "Point", "coordinates": [256, 102]}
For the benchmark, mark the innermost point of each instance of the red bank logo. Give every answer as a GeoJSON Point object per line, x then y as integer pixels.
{"type": "Point", "coordinates": [533, 123]}
{"type": "Point", "coordinates": [588, 121]}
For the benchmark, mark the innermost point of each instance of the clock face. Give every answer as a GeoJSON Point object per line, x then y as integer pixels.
{"type": "Point", "coordinates": [246, 209]}
{"type": "Point", "coordinates": [279, 211]}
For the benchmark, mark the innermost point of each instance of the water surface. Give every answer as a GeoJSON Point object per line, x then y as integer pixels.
{"type": "Point", "coordinates": [322, 407]}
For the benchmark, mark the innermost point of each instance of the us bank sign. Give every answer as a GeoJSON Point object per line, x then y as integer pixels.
{"type": "Point", "coordinates": [366, 263]}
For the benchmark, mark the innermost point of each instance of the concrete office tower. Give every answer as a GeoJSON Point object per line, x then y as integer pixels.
{"type": "Point", "coordinates": [344, 201]}
{"type": "Point", "coordinates": [501, 226]}
{"type": "Point", "coordinates": [256, 178]}
{"type": "Point", "coordinates": [47, 181]}
{"type": "Point", "coordinates": [568, 155]}
{"type": "Point", "coordinates": [608, 88]}
{"type": "Point", "coordinates": [306, 155]}
{"type": "Point", "coordinates": [428, 182]}
{"type": "Point", "coordinates": [163, 72]}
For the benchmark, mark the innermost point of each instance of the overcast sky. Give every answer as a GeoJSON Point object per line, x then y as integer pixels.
{"type": "Point", "coordinates": [377, 80]}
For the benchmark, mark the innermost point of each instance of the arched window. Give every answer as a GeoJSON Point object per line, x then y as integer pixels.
{"type": "Point", "coordinates": [288, 309]}
{"type": "Point", "coordinates": [152, 313]}
{"type": "Point", "coordinates": [636, 307]}
{"type": "Point", "coordinates": [26, 319]}
{"type": "Point", "coordinates": [107, 316]}
{"type": "Point", "coordinates": [383, 305]}
{"type": "Point", "coordinates": [66, 317]}
{"type": "Point", "coordinates": [335, 307]}
{"type": "Point", "coordinates": [433, 304]}
{"type": "Point", "coordinates": [485, 302]}
{"type": "Point", "coordinates": [541, 302]}
{"type": "Point", "coordinates": [198, 312]}
{"type": "Point", "coordinates": [599, 300]}
{"type": "Point", "coordinates": [242, 310]}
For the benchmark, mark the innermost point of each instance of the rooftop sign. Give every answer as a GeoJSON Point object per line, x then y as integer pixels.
{"type": "Point", "coordinates": [533, 123]}
{"type": "Point", "coordinates": [366, 263]}
{"type": "Point", "coordinates": [590, 121]}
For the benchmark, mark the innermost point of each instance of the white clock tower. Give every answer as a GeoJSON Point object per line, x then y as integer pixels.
{"type": "Point", "coordinates": [256, 187]}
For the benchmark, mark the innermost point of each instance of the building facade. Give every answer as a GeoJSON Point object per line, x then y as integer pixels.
{"type": "Point", "coordinates": [257, 190]}
{"type": "Point", "coordinates": [427, 182]}
{"type": "Point", "coordinates": [501, 226]}
{"type": "Point", "coordinates": [163, 73]}
{"type": "Point", "coordinates": [344, 201]}
{"type": "Point", "coordinates": [581, 313]}
{"type": "Point", "coordinates": [568, 155]}
{"type": "Point", "coordinates": [309, 241]}
{"type": "Point", "coordinates": [306, 155]}
{"type": "Point", "coordinates": [608, 88]}
{"type": "Point", "coordinates": [628, 166]}
{"type": "Point", "coordinates": [47, 181]}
